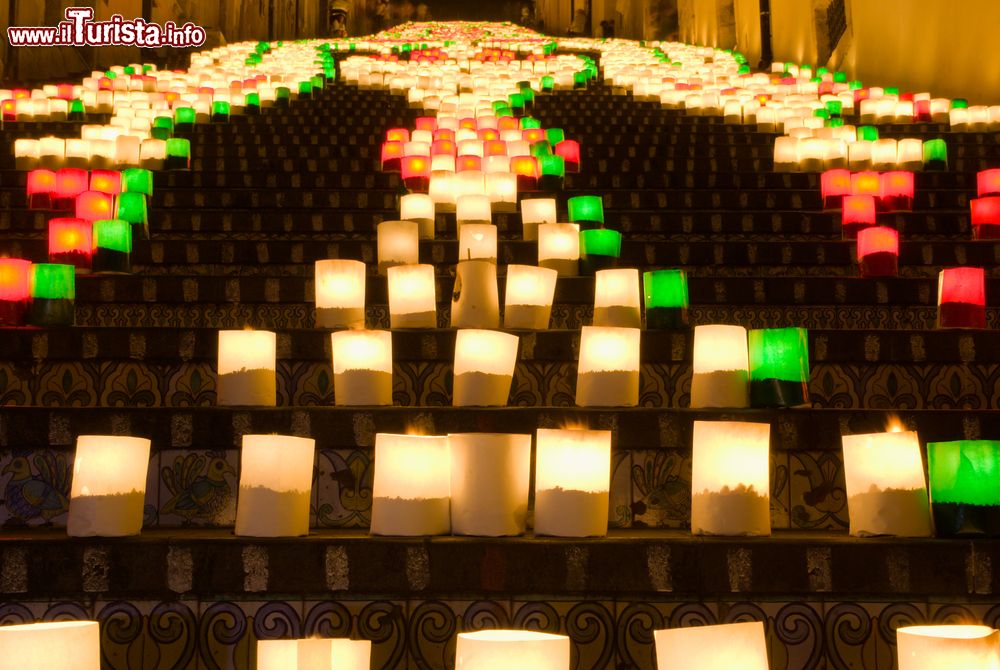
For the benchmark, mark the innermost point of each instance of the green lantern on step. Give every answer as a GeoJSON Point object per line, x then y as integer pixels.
{"type": "Point", "coordinates": [665, 293]}
{"type": "Point", "coordinates": [586, 210]}
{"type": "Point", "coordinates": [599, 249]}
{"type": "Point", "coordinates": [112, 246]}
{"type": "Point", "coordinates": [965, 487]}
{"type": "Point", "coordinates": [779, 367]}
{"type": "Point", "coordinates": [53, 295]}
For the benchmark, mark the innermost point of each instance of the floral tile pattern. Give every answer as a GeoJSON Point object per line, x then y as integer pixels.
{"type": "Point", "coordinates": [343, 488]}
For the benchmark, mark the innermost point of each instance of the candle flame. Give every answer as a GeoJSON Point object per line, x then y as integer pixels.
{"type": "Point", "coordinates": [894, 424]}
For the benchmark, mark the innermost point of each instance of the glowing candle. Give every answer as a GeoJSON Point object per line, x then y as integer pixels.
{"type": "Point", "coordinates": [475, 301]}
{"type": "Point", "coordinates": [489, 484]}
{"type": "Point", "coordinates": [569, 150]}
{"type": "Point", "coordinates": [721, 367]}
{"type": "Point", "coordinates": [985, 217]}
{"type": "Point", "coordinates": [275, 484]}
{"type": "Point", "coordinates": [858, 214]}
{"type": "Point", "coordinates": [559, 247]}
{"type": "Point", "coordinates": [988, 182]}
{"type": "Point", "coordinates": [599, 249]}
{"type": "Point", "coordinates": [616, 298]}
{"type": "Point", "coordinates": [484, 367]}
{"type": "Point", "coordinates": [716, 647]}
{"type": "Point", "coordinates": [878, 252]}
{"type": "Point", "coordinates": [779, 367]}
{"type": "Point", "coordinates": [416, 172]}
{"type": "Point", "coordinates": [362, 367]}
{"type": "Point", "coordinates": [473, 208]}
{"type": "Point", "coordinates": [71, 243]}
{"type": "Point", "coordinates": [15, 290]}
{"type": "Point", "coordinates": [41, 189]}
{"type": "Point", "coordinates": [53, 294]}
{"type": "Point", "coordinates": [412, 297]}
{"type": "Point", "coordinates": [608, 370]}
{"type": "Point", "coordinates": [896, 191]}
{"type": "Point", "coordinates": [398, 244]}
{"type": "Point", "coordinates": [665, 293]}
{"type": "Point", "coordinates": [964, 489]}
{"type": "Point", "coordinates": [67, 645]}
{"type": "Point", "coordinates": [526, 169]}
{"type": "Point", "coordinates": [947, 646]}
{"type": "Point", "coordinates": [419, 207]}
{"type": "Point", "coordinates": [246, 374]}
{"type": "Point", "coordinates": [834, 185]}
{"type": "Point", "coordinates": [502, 649]}
{"type": "Point", "coordinates": [109, 486]}
{"type": "Point", "coordinates": [178, 154]}
{"type": "Point", "coordinates": [412, 487]}
{"type": "Point", "coordinates": [137, 180]}
{"type": "Point", "coordinates": [528, 297]}
{"type": "Point", "coordinates": [534, 212]}
{"type": "Point", "coordinates": [501, 188]}
{"type": "Point", "coordinates": [340, 293]}
{"type": "Point", "coordinates": [572, 482]}
{"type": "Point", "coordinates": [730, 476]}
{"type": "Point", "coordinates": [962, 298]}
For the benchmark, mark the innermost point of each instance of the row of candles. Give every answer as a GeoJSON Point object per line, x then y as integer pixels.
{"type": "Point", "coordinates": [75, 645]}
{"type": "Point", "coordinates": [477, 484]}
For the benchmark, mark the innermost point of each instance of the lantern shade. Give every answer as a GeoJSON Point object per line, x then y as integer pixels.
{"type": "Point", "coordinates": [859, 213]}
{"type": "Point", "coordinates": [962, 298]}
{"type": "Point", "coordinates": [572, 482]}
{"type": "Point", "coordinates": [947, 646]}
{"type": "Point", "coordinates": [608, 369]}
{"type": "Point", "coordinates": [247, 368]}
{"type": "Point", "coordinates": [137, 180]}
{"type": "Point", "coordinates": [71, 242]}
{"type": "Point", "coordinates": [886, 494]}
{"type": "Point", "coordinates": [719, 647]}
{"type": "Point", "coordinates": [599, 249]}
{"type": "Point", "coordinates": [570, 152]}
{"type": "Point", "coordinates": [504, 649]}
{"type": "Point", "coordinates": [473, 208]}
{"type": "Point", "coordinates": [398, 244]}
{"type": "Point", "coordinates": [866, 183]}
{"type": "Point", "coordinates": [559, 247]}
{"type": "Point", "coordinates": [587, 211]}
{"type": "Point", "coordinates": [489, 483]}
{"type": "Point", "coordinates": [616, 298]}
{"type": "Point", "coordinates": [277, 654]}
{"type": "Point", "coordinates": [935, 155]}
{"type": "Point", "coordinates": [878, 252]}
{"type": "Point", "coordinates": [109, 486]}
{"type": "Point", "coordinates": [412, 488]}
{"type": "Point", "coordinates": [528, 297]}
{"type": "Point", "coordinates": [15, 290]}
{"type": "Point", "coordinates": [534, 212]}
{"type": "Point", "coordinates": [484, 367]}
{"type": "Point", "coordinates": [112, 246]}
{"type": "Point", "coordinates": [721, 367]}
{"type": "Point", "coordinates": [53, 295]}
{"type": "Point", "coordinates": [178, 154]}
{"type": "Point", "coordinates": [985, 217]}
{"type": "Point", "coordinates": [552, 171]}
{"type": "Point", "coordinates": [730, 477]}
{"type": "Point", "coordinates": [988, 182]}
{"type": "Point", "coordinates": [275, 485]}
{"type": "Point", "coordinates": [665, 294]}
{"type": "Point", "coordinates": [896, 191]}
{"type": "Point", "coordinates": [41, 189]}
{"type": "Point", "coordinates": [475, 300]}
{"type": "Point", "coordinates": [340, 293]}
{"type": "Point", "coordinates": [419, 207]}
{"type": "Point", "coordinates": [834, 185]}
{"type": "Point", "coordinates": [67, 645]}
{"type": "Point", "coordinates": [412, 297]}
{"type": "Point", "coordinates": [965, 487]}
{"type": "Point", "coordinates": [416, 172]}
{"type": "Point", "coordinates": [362, 367]}
{"type": "Point", "coordinates": [779, 367]}
{"type": "Point", "coordinates": [93, 205]}
{"type": "Point", "coordinates": [477, 241]}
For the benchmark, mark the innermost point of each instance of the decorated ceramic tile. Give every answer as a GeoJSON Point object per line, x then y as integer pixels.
{"type": "Point", "coordinates": [661, 488]}
{"type": "Point", "coordinates": [35, 487]}
{"type": "Point", "coordinates": [620, 498]}
{"type": "Point", "coordinates": [344, 480]}
{"type": "Point", "coordinates": [817, 486]}
{"type": "Point", "coordinates": [198, 488]}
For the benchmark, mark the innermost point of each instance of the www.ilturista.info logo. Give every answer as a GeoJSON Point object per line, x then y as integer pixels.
{"type": "Point", "coordinates": [79, 29]}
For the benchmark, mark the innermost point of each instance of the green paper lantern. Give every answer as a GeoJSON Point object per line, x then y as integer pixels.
{"type": "Point", "coordinates": [528, 122]}
{"type": "Point", "coordinates": [317, 82]}
{"type": "Point", "coordinates": [137, 180]}
{"type": "Point", "coordinates": [113, 234]}
{"type": "Point", "coordinates": [178, 154]}
{"type": "Point", "coordinates": [964, 479]}
{"type": "Point", "coordinates": [220, 110]}
{"type": "Point", "coordinates": [516, 100]}
{"type": "Point", "coordinates": [959, 103]}
{"type": "Point", "coordinates": [282, 94]}
{"type": "Point", "coordinates": [821, 113]}
{"type": "Point", "coordinates": [555, 135]}
{"type": "Point", "coordinates": [665, 295]}
{"type": "Point", "coordinates": [586, 209]}
{"type": "Point", "coordinates": [548, 83]}
{"type": "Point", "coordinates": [53, 281]}
{"type": "Point", "coordinates": [184, 115]}
{"type": "Point", "coordinates": [840, 77]}
{"type": "Point", "coordinates": [935, 154]}
{"type": "Point", "coordinates": [541, 148]}
{"type": "Point", "coordinates": [129, 70]}
{"type": "Point", "coordinates": [305, 88]}
{"type": "Point", "coordinates": [552, 166]}
{"type": "Point", "coordinates": [599, 249]}
{"type": "Point", "coordinates": [132, 208]}
{"type": "Point", "coordinates": [743, 69]}
{"type": "Point", "coordinates": [868, 133]}
{"type": "Point", "coordinates": [76, 107]}
{"type": "Point", "coordinates": [528, 95]}
{"type": "Point", "coordinates": [855, 85]}
{"type": "Point", "coordinates": [111, 74]}
{"type": "Point", "coordinates": [252, 100]}
{"type": "Point", "coordinates": [779, 367]}
{"type": "Point", "coordinates": [835, 122]}
{"type": "Point", "coordinates": [835, 106]}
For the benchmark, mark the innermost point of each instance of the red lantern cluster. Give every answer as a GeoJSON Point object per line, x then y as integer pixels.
{"type": "Point", "coordinates": [61, 190]}
{"type": "Point", "coordinates": [985, 209]}
{"type": "Point", "coordinates": [892, 191]}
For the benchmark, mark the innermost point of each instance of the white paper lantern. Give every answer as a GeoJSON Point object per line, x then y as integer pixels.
{"type": "Point", "coordinates": [275, 485]}
{"type": "Point", "coordinates": [67, 645]}
{"type": "Point", "coordinates": [489, 483]}
{"type": "Point", "coordinates": [559, 247]}
{"type": "Point", "coordinates": [277, 654]}
{"type": "Point", "coordinates": [412, 297]}
{"type": "Point", "coordinates": [616, 298]}
{"type": "Point", "coordinates": [948, 646]}
{"type": "Point", "coordinates": [362, 367]}
{"type": "Point", "coordinates": [340, 293]}
{"type": "Point", "coordinates": [719, 647]}
{"type": "Point", "coordinates": [886, 490]}
{"type": "Point", "coordinates": [721, 375]}
{"type": "Point", "coordinates": [477, 241]}
{"type": "Point", "coordinates": [572, 482]}
{"type": "Point", "coordinates": [398, 244]}
{"type": "Point", "coordinates": [419, 207]}
{"type": "Point", "coordinates": [528, 297]}
{"type": "Point", "coordinates": [109, 486]}
{"type": "Point", "coordinates": [475, 300]}
{"type": "Point", "coordinates": [608, 369]}
{"type": "Point", "coordinates": [501, 187]}
{"type": "Point", "coordinates": [473, 208]}
{"type": "Point", "coordinates": [328, 654]}
{"type": "Point", "coordinates": [412, 488]}
{"type": "Point", "coordinates": [507, 649]}
{"type": "Point", "coordinates": [730, 474]}
{"type": "Point", "coordinates": [535, 212]}
{"type": "Point", "coordinates": [484, 367]}
{"type": "Point", "coordinates": [247, 368]}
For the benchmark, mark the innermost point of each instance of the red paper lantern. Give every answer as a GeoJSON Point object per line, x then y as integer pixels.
{"type": "Point", "coordinates": [70, 182]}
{"type": "Point", "coordinates": [444, 134]}
{"type": "Point", "coordinates": [392, 152]}
{"type": "Point", "coordinates": [426, 123]}
{"type": "Point", "coordinates": [962, 298]}
{"type": "Point", "coordinates": [464, 163]}
{"type": "Point", "coordinates": [985, 218]}
{"type": "Point", "coordinates": [495, 148]}
{"type": "Point", "coordinates": [859, 213]}
{"type": "Point", "coordinates": [834, 185]}
{"type": "Point", "coordinates": [94, 206]}
{"type": "Point", "coordinates": [443, 148]}
{"type": "Point", "coordinates": [15, 290]}
{"type": "Point", "coordinates": [897, 191]}
{"type": "Point", "coordinates": [106, 181]}
{"type": "Point", "coordinates": [988, 182]}
{"type": "Point", "coordinates": [397, 135]}
{"type": "Point", "coordinates": [922, 111]}
{"type": "Point", "coordinates": [859, 95]}
{"type": "Point", "coordinates": [866, 183]}
{"type": "Point", "coordinates": [570, 151]}
{"type": "Point", "coordinates": [71, 242]}
{"type": "Point", "coordinates": [41, 189]}
{"type": "Point", "coordinates": [878, 252]}
{"type": "Point", "coordinates": [826, 88]}
{"type": "Point", "coordinates": [488, 134]}
{"type": "Point", "coordinates": [416, 172]}
{"type": "Point", "coordinates": [526, 169]}
{"type": "Point", "coordinates": [9, 109]}
{"type": "Point", "coordinates": [467, 123]}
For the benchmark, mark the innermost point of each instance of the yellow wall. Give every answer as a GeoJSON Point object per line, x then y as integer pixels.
{"type": "Point", "coordinates": [793, 29]}
{"type": "Point", "coordinates": [748, 29]}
